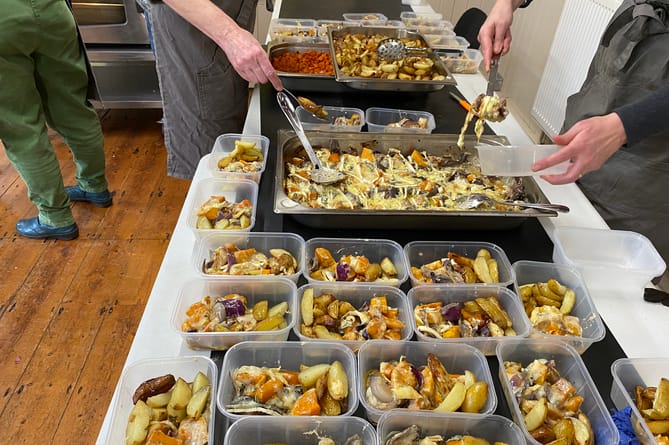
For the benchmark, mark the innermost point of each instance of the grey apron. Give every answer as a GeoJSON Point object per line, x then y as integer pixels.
{"type": "Point", "coordinates": [631, 189]}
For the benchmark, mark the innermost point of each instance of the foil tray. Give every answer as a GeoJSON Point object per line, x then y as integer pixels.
{"type": "Point", "coordinates": [372, 84]}
{"type": "Point", "coordinates": [288, 144]}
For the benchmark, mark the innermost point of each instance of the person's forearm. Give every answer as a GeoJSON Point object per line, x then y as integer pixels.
{"type": "Point", "coordinates": [205, 16]}
{"type": "Point", "coordinates": [646, 117]}
{"type": "Point", "coordinates": [515, 4]}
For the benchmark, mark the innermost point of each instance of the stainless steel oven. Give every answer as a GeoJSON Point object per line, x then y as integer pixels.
{"type": "Point", "coordinates": [117, 44]}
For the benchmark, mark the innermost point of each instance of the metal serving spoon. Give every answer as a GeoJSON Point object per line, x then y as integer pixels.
{"type": "Point", "coordinates": [310, 106]}
{"type": "Point", "coordinates": [319, 174]}
{"type": "Point", "coordinates": [392, 49]}
{"type": "Point", "coordinates": [476, 199]}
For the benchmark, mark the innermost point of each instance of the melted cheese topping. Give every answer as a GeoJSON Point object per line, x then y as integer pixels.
{"type": "Point", "coordinates": [490, 108]}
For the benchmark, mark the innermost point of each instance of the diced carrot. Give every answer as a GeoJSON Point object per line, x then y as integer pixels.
{"type": "Point", "coordinates": [334, 157]}
{"type": "Point", "coordinates": [268, 390]}
{"type": "Point", "coordinates": [307, 404]}
{"type": "Point", "coordinates": [367, 154]}
{"type": "Point", "coordinates": [418, 158]}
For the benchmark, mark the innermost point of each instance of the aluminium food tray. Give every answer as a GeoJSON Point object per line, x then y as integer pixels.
{"type": "Point", "coordinates": [373, 84]}
{"type": "Point", "coordinates": [288, 144]}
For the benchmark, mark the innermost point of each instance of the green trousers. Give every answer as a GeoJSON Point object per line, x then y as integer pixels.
{"type": "Point", "coordinates": [43, 80]}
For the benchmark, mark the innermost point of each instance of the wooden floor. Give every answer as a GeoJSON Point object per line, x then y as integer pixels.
{"type": "Point", "coordinates": [69, 309]}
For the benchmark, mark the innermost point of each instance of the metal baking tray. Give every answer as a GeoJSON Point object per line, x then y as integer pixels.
{"type": "Point", "coordinates": [305, 82]}
{"type": "Point", "coordinates": [362, 83]}
{"type": "Point", "coordinates": [288, 144]}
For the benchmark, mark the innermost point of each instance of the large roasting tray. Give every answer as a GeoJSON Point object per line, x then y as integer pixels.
{"type": "Point", "coordinates": [362, 83]}
{"type": "Point", "coordinates": [288, 144]}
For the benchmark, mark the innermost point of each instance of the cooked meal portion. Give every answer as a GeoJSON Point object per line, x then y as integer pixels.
{"type": "Point", "coordinates": [229, 259]}
{"type": "Point", "coordinates": [356, 268]}
{"type": "Point", "coordinates": [325, 440]}
{"type": "Point", "coordinates": [549, 305]}
{"type": "Point", "coordinates": [393, 180]}
{"type": "Point", "coordinates": [219, 213]}
{"type": "Point", "coordinates": [653, 403]}
{"type": "Point", "coordinates": [410, 123]}
{"type": "Point", "coordinates": [244, 158]}
{"type": "Point", "coordinates": [412, 435]}
{"type": "Point", "coordinates": [459, 269]}
{"type": "Point", "coordinates": [484, 108]}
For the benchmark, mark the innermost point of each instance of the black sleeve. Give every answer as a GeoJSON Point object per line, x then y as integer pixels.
{"type": "Point", "coordinates": [646, 117]}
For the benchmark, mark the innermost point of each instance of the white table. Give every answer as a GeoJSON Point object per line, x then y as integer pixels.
{"type": "Point", "coordinates": [634, 324]}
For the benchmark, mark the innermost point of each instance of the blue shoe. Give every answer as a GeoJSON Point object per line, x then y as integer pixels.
{"type": "Point", "coordinates": [98, 199]}
{"type": "Point", "coordinates": [32, 228]}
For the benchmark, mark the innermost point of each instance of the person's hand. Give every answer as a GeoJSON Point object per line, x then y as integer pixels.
{"type": "Point", "coordinates": [587, 144]}
{"type": "Point", "coordinates": [495, 33]}
{"type": "Point", "coordinates": [249, 59]}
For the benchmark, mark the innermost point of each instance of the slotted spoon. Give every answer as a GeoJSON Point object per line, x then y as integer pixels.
{"type": "Point", "coordinates": [477, 199]}
{"type": "Point", "coordinates": [319, 174]}
{"type": "Point", "coordinates": [392, 49]}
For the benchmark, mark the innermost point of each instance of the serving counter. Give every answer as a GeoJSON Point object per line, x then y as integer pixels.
{"type": "Point", "coordinates": [630, 322]}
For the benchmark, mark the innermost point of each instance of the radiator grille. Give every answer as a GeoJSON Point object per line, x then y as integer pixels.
{"type": "Point", "coordinates": [576, 39]}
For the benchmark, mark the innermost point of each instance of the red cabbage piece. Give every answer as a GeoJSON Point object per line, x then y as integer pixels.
{"type": "Point", "coordinates": [343, 270]}
{"type": "Point", "coordinates": [234, 308]}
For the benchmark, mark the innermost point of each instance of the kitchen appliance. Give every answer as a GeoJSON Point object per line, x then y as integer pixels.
{"type": "Point", "coordinates": [117, 44]}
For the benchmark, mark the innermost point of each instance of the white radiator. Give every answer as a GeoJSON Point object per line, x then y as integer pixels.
{"type": "Point", "coordinates": [576, 39]}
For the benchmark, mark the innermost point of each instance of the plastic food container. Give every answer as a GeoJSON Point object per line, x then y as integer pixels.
{"type": "Point", "coordinates": [366, 18]}
{"type": "Point", "coordinates": [570, 366]}
{"type": "Point", "coordinates": [225, 144]}
{"type": "Point", "coordinates": [418, 253]}
{"type": "Point", "coordinates": [288, 355]}
{"type": "Point", "coordinates": [494, 428]}
{"type": "Point", "coordinates": [293, 30]}
{"type": "Point", "coordinates": [414, 19]}
{"type": "Point", "coordinates": [234, 191]}
{"type": "Point", "coordinates": [311, 122]}
{"type": "Point", "coordinates": [325, 25]}
{"type": "Point", "coordinates": [261, 241]}
{"type": "Point", "coordinates": [459, 294]}
{"type": "Point", "coordinates": [629, 373]}
{"type": "Point", "coordinates": [298, 430]}
{"type": "Point", "coordinates": [378, 120]}
{"type": "Point", "coordinates": [466, 63]}
{"type": "Point", "coordinates": [608, 259]}
{"type": "Point", "coordinates": [528, 272]}
{"type": "Point", "coordinates": [456, 358]}
{"type": "Point", "coordinates": [374, 249]}
{"type": "Point", "coordinates": [275, 290]}
{"type": "Point", "coordinates": [517, 160]}
{"type": "Point", "coordinates": [357, 295]}
{"type": "Point", "coordinates": [138, 372]}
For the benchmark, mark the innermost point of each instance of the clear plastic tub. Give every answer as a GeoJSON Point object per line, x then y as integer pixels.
{"type": "Point", "coordinates": [223, 147]}
{"type": "Point", "coordinates": [288, 355]}
{"type": "Point", "coordinates": [311, 122]}
{"type": "Point", "coordinates": [379, 120]}
{"type": "Point", "coordinates": [570, 366]}
{"type": "Point", "coordinates": [456, 358]}
{"type": "Point", "coordinates": [528, 272]}
{"type": "Point", "coordinates": [459, 294]}
{"type": "Point", "coordinates": [517, 160]}
{"type": "Point", "coordinates": [414, 19]}
{"type": "Point", "coordinates": [357, 295]}
{"type": "Point", "coordinates": [325, 25]}
{"type": "Point", "coordinates": [298, 430]}
{"type": "Point", "coordinates": [466, 63]}
{"type": "Point", "coordinates": [293, 30]}
{"type": "Point", "coordinates": [493, 428]}
{"type": "Point", "coordinates": [608, 259]}
{"type": "Point", "coordinates": [374, 249]}
{"type": "Point", "coordinates": [366, 18]}
{"type": "Point", "coordinates": [234, 191]}
{"type": "Point", "coordinates": [443, 26]}
{"type": "Point", "coordinates": [457, 44]}
{"type": "Point", "coordinates": [629, 373]}
{"type": "Point", "coordinates": [275, 290]}
{"type": "Point", "coordinates": [140, 371]}
{"type": "Point", "coordinates": [261, 241]}
{"type": "Point", "coordinates": [418, 253]}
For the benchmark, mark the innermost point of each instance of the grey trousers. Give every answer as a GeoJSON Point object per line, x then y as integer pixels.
{"type": "Point", "coordinates": [203, 96]}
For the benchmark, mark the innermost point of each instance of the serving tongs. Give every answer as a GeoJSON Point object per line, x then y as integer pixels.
{"type": "Point", "coordinates": [319, 174]}
{"type": "Point", "coordinates": [475, 200]}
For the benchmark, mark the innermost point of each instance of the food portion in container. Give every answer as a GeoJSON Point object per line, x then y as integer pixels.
{"type": "Point", "coordinates": [356, 56]}
{"type": "Point", "coordinates": [292, 30]}
{"type": "Point", "coordinates": [351, 268]}
{"type": "Point", "coordinates": [466, 63]}
{"type": "Point", "coordinates": [327, 317]}
{"type": "Point", "coordinates": [308, 61]}
{"type": "Point", "coordinates": [653, 404]}
{"type": "Point", "coordinates": [316, 390]}
{"type": "Point", "coordinates": [457, 268]}
{"type": "Point", "coordinates": [231, 313]}
{"type": "Point", "coordinates": [170, 410]}
{"type": "Point", "coordinates": [484, 108]}
{"type": "Point", "coordinates": [228, 259]}
{"type": "Point", "coordinates": [413, 435]}
{"type": "Point", "coordinates": [480, 317]}
{"type": "Point", "coordinates": [429, 386]}
{"type": "Point", "coordinates": [548, 306]}
{"type": "Point", "coordinates": [549, 403]}
{"type": "Point", "coordinates": [245, 158]}
{"type": "Point", "coordinates": [321, 439]}
{"type": "Point", "coordinates": [392, 180]}
{"type": "Point", "coordinates": [219, 213]}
